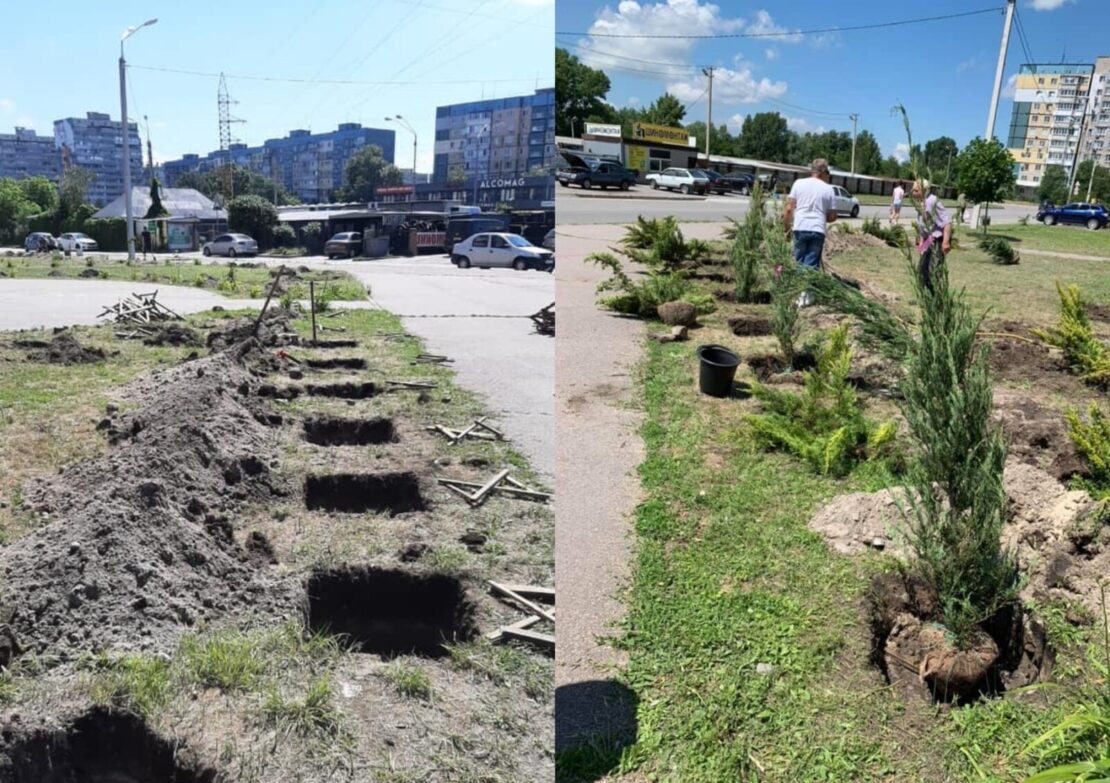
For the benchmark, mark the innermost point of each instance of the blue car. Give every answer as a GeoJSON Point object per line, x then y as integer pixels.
{"type": "Point", "coordinates": [1093, 216]}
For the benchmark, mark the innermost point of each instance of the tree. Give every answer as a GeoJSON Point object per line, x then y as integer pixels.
{"type": "Point", "coordinates": [367, 170]}
{"type": "Point", "coordinates": [764, 136]}
{"type": "Point", "coordinates": [869, 157]}
{"type": "Point", "coordinates": [252, 215]}
{"type": "Point", "coordinates": [986, 171]}
{"type": "Point", "coordinates": [1054, 185]}
{"type": "Point", "coordinates": [1100, 187]}
{"type": "Point", "coordinates": [15, 208]}
{"type": "Point", "coordinates": [73, 190]}
{"type": "Point", "coordinates": [456, 174]}
{"type": "Point", "coordinates": [666, 110]}
{"type": "Point", "coordinates": [722, 143]}
{"type": "Point", "coordinates": [40, 191]}
{"type": "Point", "coordinates": [579, 93]}
{"type": "Point", "coordinates": [156, 210]}
{"type": "Point", "coordinates": [938, 158]}
{"type": "Point", "coordinates": [244, 182]}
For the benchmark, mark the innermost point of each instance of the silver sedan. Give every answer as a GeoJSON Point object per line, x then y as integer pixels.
{"type": "Point", "coordinates": [231, 245]}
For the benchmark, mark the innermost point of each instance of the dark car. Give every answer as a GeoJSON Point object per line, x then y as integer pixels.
{"type": "Point", "coordinates": [1093, 216]}
{"type": "Point", "coordinates": [586, 173]}
{"type": "Point", "coordinates": [347, 243]}
{"type": "Point", "coordinates": [740, 182]}
{"type": "Point", "coordinates": [717, 182]}
{"type": "Point", "coordinates": [40, 240]}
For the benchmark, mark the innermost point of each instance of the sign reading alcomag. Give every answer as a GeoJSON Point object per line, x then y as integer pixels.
{"type": "Point", "coordinates": [660, 134]}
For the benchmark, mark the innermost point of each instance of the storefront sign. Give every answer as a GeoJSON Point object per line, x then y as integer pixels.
{"type": "Point", "coordinates": [393, 190]}
{"type": "Point", "coordinates": [179, 236]}
{"type": "Point", "coordinates": [660, 134]}
{"type": "Point", "coordinates": [597, 129]}
{"type": "Point", "coordinates": [502, 183]}
{"type": "Point", "coordinates": [637, 158]}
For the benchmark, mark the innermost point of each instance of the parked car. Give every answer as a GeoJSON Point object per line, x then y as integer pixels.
{"type": "Point", "coordinates": [586, 173]}
{"type": "Point", "coordinates": [503, 250]}
{"type": "Point", "coordinates": [37, 238]}
{"type": "Point", "coordinates": [549, 240]}
{"type": "Point", "coordinates": [740, 182]}
{"type": "Point", "coordinates": [465, 226]}
{"type": "Point", "coordinates": [846, 203]}
{"type": "Point", "coordinates": [347, 243]}
{"type": "Point", "coordinates": [718, 183]}
{"type": "Point", "coordinates": [75, 240]}
{"type": "Point", "coordinates": [1093, 216]}
{"type": "Point", "coordinates": [684, 180]}
{"type": "Point", "coordinates": [231, 245]}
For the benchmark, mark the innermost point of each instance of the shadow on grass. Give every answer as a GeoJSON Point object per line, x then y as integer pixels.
{"type": "Point", "coordinates": [595, 722]}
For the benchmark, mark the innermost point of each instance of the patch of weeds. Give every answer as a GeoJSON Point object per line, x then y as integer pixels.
{"type": "Point", "coordinates": [1086, 355]}
{"type": "Point", "coordinates": [227, 660]}
{"type": "Point", "coordinates": [448, 559]}
{"type": "Point", "coordinates": [256, 292]}
{"type": "Point", "coordinates": [139, 683]}
{"type": "Point", "coordinates": [408, 680]}
{"type": "Point", "coordinates": [502, 664]}
{"type": "Point", "coordinates": [658, 243]}
{"type": "Point", "coordinates": [644, 297]}
{"type": "Point", "coordinates": [313, 714]}
{"type": "Point", "coordinates": [894, 236]}
{"type": "Point", "coordinates": [999, 250]}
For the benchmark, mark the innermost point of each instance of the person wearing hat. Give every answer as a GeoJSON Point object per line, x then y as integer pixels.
{"type": "Point", "coordinates": [934, 231]}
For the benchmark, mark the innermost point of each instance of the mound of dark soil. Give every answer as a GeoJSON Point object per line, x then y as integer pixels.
{"type": "Point", "coordinates": [174, 334]}
{"type": "Point", "coordinates": [64, 349]}
{"type": "Point", "coordinates": [749, 325]}
{"type": "Point", "coordinates": [274, 330]}
{"type": "Point", "coordinates": [1025, 360]}
{"type": "Point", "coordinates": [137, 547]}
{"type": "Point", "coordinates": [772, 368]}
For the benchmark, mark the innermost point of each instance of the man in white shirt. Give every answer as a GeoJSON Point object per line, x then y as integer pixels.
{"type": "Point", "coordinates": [810, 207]}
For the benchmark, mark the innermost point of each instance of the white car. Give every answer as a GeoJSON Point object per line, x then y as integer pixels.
{"type": "Point", "coordinates": [504, 250]}
{"type": "Point", "coordinates": [75, 240]}
{"type": "Point", "coordinates": [231, 245]}
{"type": "Point", "coordinates": [683, 180]}
{"type": "Point", "coordinates": [846, 203]}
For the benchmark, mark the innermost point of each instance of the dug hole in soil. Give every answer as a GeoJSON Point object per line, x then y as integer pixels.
{"type": "Point", "coordinates": [394, 493]}
{"type": "Point", "coordinates": [328, 431]}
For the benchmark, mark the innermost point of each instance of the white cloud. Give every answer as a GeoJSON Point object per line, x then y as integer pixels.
{"type": "Point", "coordinates": [633, 100]}
{"type": "Point", "coordinates": [1009, 89]}
{"type": "Point", "coordinates": [1047, 5]}
{"type": "Point", "coordinates": [764, 25]}
{"type": "Point", "coordinates": [901, 151]}
{"type": "Point", "coordinates": [735, 122]}
{"type": "Point", "coordinates": [730, 87]}
{"type": "Point", "coordinates": [802, 125]}
{"type": "Point", "coordinates": [771, 54]}
{"type": "Point", "coordinates": [673, 17]}
{"type": "Point", "coordinates": [7, 104]}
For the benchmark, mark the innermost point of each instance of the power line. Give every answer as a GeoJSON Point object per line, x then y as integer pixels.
{"type": "Point", "coordinates": [588, 50]}
{"type": "Point", "coordinates": [814, 31]}
{"type": "Point", "coordinates": [1023, 38]}
{"type": "Point", "coordinates": [808, 111]}
{"type": "Point", "coordinates": [295, 80]}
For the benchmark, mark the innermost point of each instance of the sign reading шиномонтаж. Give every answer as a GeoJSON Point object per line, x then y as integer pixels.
{"type": "Point", "coordinates": [597, 129]}
{"type": "Point", "coordinates": [660, 134]}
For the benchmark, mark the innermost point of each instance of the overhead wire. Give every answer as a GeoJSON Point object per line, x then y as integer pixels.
{"type": "Point", "coordinates": [301, 80]}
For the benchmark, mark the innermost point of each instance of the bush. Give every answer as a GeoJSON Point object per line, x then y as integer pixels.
{"type": "Point", "coordinates": [312, 236]}
{"type": "Point", "coordinates": [642, 298]}
{"type": "Point", "coordinates": [255, 216]}
{"type": "Point", "coordinates": [784, 289]}
{"type": "Point", "coordinates": [658, 243]}
{"type": "Point", "coordinates": [894, 236]}
{"type": "Point", "coordinates": [746, 253]}
{"type": "Point", "coordinates": [1000, 251]}
{"type": "Point", "coordinates": [957, 501]}
{"type": "Point", "coordinates": [110, 234]}
{"type": "Point", "coordinates": [1086, 356]}
{"type": "Point", "coordinates": [284, 235]}
{"type": "Point", "coordinates": [825, 424]}
{"type": "Point", "coordinates": [1092, 440]}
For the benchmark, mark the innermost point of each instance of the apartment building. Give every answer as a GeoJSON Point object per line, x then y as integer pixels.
{"type": "Point", "coordinates": [309, 165]}
{"type": "Point", "coordinates": [95, 142]}
{"type": "Point", "coordinates": [1096, 134]}
{"type": "Point", "coordinates": [26, 154]}
{"type": "Point", "coordinates": [499, 137]}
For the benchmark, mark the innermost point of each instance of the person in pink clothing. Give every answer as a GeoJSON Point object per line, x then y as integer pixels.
{"type": "Point", "coordinates": [896, 203]}
{"type": "Point", "coordinates": [934, 232]}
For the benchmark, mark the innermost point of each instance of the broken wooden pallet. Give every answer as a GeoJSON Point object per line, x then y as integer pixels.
{"type": "Point", "coordinates": [544, 319]}
{"type": "Point", "coordinates": [522, 596]}
{"type": "Point", "coordinates": [138, 310]}
{"type": "Point", "coordinates": [471, 431]}
{"type": "Point", "coordinates": [501, 483]}
{"type": "Point", "coordinates": [432, 358]}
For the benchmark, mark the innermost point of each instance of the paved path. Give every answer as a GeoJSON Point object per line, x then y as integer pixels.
{"type": "Point", "coordinates": [1055, 254]}
{"type": "Point", "coordinates": [33, 304]}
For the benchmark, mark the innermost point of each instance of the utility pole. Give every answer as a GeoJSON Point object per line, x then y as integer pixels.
{"type": "Point", "coordinates": [708, 113]}
{"type": "Point", "coordinates": [129, 211]}
{"type": "Point", "coordinates": [992, 114]}
{"type": "Point", "coordinates": [149, 151]}
{"type": "Point", "coordinates": [854, 118]}
{"type": "Point", "coordinates": [1075, 160]}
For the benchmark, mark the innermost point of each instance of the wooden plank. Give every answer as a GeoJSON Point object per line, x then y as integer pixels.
{"type": "Point", "coordinates": [521, 625]}
{"type": "Point", "coordinates": [462, 435]}
{"type": "Point", "coordinates": [541, 611]}
{"type": "Point", "coordinates": [488, 487]}
{"type": "Point", "coordinates": [500, 435]}
{"type": "Point", "coordinates": [460, 491]}
{"type": "Point", "coordinates": [533, 590]}
{"type": "Point", "coordinates": [533, 637]}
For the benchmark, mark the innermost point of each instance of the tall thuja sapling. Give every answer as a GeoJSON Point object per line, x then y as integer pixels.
{"type": "Point", "coordinates": [956, 501]}
{"type": "Point", "coordinates": [746, 252]}
{"type": "Point", "coordinates": [785, 287]}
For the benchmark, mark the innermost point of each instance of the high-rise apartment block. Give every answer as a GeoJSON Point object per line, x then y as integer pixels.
{"type": "Point", "coordinates": [96, 143]}
{"type": "Point", "coordinates": [26, 154]}
{"type": "Point", "coordinates": [311, 166]}
{"type": "Point", "coordinates": [500, 137]}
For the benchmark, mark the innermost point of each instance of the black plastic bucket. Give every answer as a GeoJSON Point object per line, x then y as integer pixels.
{"type": "Point", "coordinates": [718, 368]}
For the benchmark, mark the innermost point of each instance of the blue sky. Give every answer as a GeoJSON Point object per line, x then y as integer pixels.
{"type": "Point", "coordinates": [59, 59]}
{"type": "Point", "coordinates": [941, 71]}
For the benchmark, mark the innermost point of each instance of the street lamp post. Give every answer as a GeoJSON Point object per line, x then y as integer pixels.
{"type": "Point", "coordinates": [405, 124]}
{"type": "Point", "coordinates": [127, 137]}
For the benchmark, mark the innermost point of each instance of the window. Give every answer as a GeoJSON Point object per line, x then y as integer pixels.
{"type": "Point", "coordinates": [482, 240]}
{"type": "Point", "coordinates": [499, 242]}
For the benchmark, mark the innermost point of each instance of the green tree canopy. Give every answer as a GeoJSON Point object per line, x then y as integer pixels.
{"type": "Point", "coordinates": [666, 110]}
{"type": "Point", "coordinates": [367, 170]}
{"type": "Point", "coordinates": [15, 208]}
{"type": "Point", "coordinates": [1054, 185]}
{"type": "Point", "coordinates": [253, 215]}
{"type": "Point", "coordinates": [579, 93]}
{"type": "Point", "coordinates": [244, 182]}
{"type": "Point", "coordinates": [986, 171]}
{"type": "Point", "coordinates": [939, 157]}
{"type": "Point", "coordinates": [869, 157]}
{"type": "Point", "coordinates": [1099, 187]}
{"type": "Point", "coordinates": [765, 136]}
{"type": "Point", "coordinates": [156, 209]}
{"type": "Point", "coordinates": [41, 191]}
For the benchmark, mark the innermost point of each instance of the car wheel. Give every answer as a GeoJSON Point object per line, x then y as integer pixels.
{"type": "Point", "coordinates": [207, 252]}
{"type": "Point", "coordinates": [685, 190]}
{"type": "Point", "coordinates": [351, 253]}
{"type": "Point", "coordinates": [855, 211]}
{"type": "Point", "coordinates": [586, 184]}
{"type": "Point", "coordinates": [1093, 224]}
{"type": "Point", "coordinates": [745, 191]}
{"type": "Point", "coordinates": [519, 265]}
{"type": "Point", "coordinates": [1049, 220]}
{"type": "Point", "coordinates": [464, 262]}
{"type": "Point", "coordinates": [626, 185]}
{"type": "Point", "coordinates": [231, 252]}
{"type": "Point", "coordinates": [564, 184]}
{"type": "Point", "coordinates": [655, 184]}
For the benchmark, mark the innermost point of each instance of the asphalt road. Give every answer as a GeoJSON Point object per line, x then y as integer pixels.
{"type": "Point", "coordinates": [575, 206]}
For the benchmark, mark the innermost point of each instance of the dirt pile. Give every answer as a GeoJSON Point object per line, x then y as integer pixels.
{"type": "Point", "coordinates": [837, 241]}
{"type": "Point", "coordinates": [274, 330]}
{"type": "Point", "coordinates": [1036, 434]}
{"type": "Point", "coordinates": [174, 334]}
{"type": "Point", "coordinates": [64, 349]}
{"type": "Point", "coordinates": [1061, 543]}
{"type": "Point", "coordinates": [137, 545]}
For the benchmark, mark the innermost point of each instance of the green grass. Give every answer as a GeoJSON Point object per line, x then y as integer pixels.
{"type": "Point", "coordinates": [226, 660]}
{"type": "Point", "coordinates": [237, 282]}
{"type": "Point", "coordinates": [134, 682]}
{"type": "Point", "coordinates": [408, 679]}
{"type": "Point", "coordinates": [727, 576]}
{"type": "Point", "coordinates": [1058, 239]}
{"type": "Point", "coordinates": [312, 714]}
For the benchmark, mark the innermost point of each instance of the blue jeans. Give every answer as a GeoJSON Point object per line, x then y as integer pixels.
{"type": "Point", "coordinates": [807, 248]}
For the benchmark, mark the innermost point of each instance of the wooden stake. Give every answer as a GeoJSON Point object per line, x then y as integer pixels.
{"type": "Point", "coordinates": [273, 287]}
{"type": "Point", "coordinates": [534, 607]}
{"type": "Point", "coordinates": [520, 625]}
{"type": "Point", "coordinates": [312, 299]}
{"type": "Point", "coordinates": [520, 634]}
{"type": "Point", "coordinates": [489, 486]}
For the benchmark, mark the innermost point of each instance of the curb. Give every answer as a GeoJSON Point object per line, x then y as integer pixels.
{"type": "Point", "coordinates": [638, 196]}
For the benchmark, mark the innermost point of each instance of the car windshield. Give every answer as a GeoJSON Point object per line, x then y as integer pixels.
{"type": "Point", "coordinates": [698, 174]}
{"type": "Point", "coordinates": [79, 236]}
{"type": "Point", "coordinates": [518, 241]}
{"type": "Point", "coordinates": [242, 238]}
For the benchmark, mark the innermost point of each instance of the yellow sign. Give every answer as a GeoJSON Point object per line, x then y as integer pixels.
{"type": "Point", "coordinates": [660, 134]}
{"type": "Point", "coordinates": [637, 158]}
